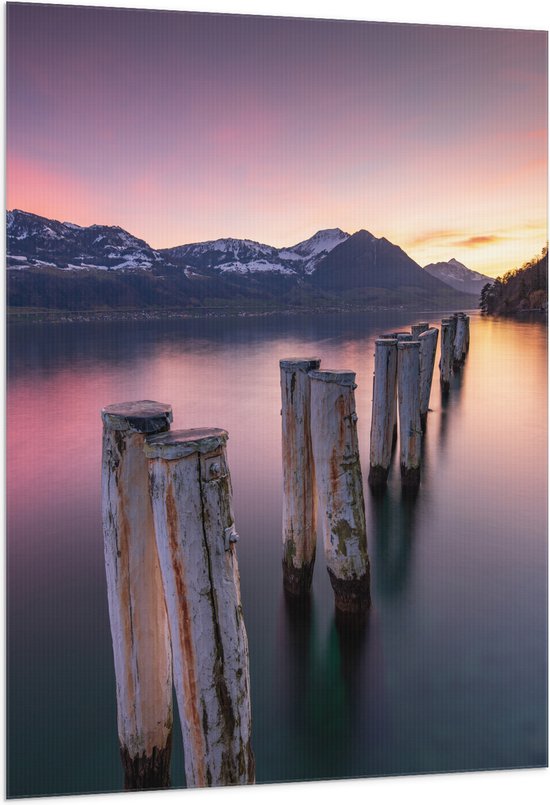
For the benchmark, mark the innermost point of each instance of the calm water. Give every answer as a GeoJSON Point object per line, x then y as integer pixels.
{"type": "Point", "coordinates": [450, 671]}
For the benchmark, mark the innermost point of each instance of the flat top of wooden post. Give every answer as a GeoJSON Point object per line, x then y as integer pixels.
{"type": "Point", "coordinates": [386, 341]}
{"type": "Point", "coordinates": [408, 344]}
{"type": "Point", "coordinates": [344, 377]}
{"type": "Point", "coordinates": [143, 416]}
{"type": "Point", "coordinates": [427, 333]}
{"type": "Point", "coordinates": [302, 364]}
{"type": "Point", "coordinates": [181, 443]}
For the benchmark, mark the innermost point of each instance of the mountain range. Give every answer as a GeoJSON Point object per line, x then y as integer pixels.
{"type": "Point", "coordinates": [63, 266]}
{"type": "Point", "coordinates": [458, 276]}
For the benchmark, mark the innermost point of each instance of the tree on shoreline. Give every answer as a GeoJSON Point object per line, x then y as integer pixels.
{"type": "Point", "coordinates": [521, 289]}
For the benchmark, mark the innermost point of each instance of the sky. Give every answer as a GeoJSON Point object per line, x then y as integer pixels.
{"type": "Point", "coordinates": [183, 127]}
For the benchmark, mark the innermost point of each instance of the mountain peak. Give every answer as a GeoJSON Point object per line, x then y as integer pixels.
{"type": "Point", "coordinates": [457, 275]}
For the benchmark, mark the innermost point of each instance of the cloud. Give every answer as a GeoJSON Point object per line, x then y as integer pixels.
{"type": "Point", "coordinates": [478, 240]}
{"type": "Point", "coordinates": [435, 236]}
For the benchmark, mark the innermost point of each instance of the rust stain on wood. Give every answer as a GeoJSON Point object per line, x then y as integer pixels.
{"type": "Point", "coordinates": [123, 553]}
{"type": "Point", "coordinates": [186, 640]}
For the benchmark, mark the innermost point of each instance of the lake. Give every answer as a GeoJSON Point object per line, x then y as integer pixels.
{"type": "Point", "coordinates": [450, 670]}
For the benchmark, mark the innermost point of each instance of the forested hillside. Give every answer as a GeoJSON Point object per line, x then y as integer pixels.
{"type": "Point", "coordinates": [522, 289]}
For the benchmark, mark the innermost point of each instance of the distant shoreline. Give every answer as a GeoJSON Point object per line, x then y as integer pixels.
{"type": "Point", "coordinates": [15, 316]}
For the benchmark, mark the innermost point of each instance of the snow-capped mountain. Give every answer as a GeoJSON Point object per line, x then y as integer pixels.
{"type": "Point", "coordinates": [458, 276]}
{"type": "Point", "coordinates": [34, 241]}
{"type": "Point", "coordinates": [41, 242]}
{"type": "Point", "coordinates": [310, 252]}
{"type": "Point", "coordinates": [63, 266]}
{"type": "Point", "coordinates": [228, 255]}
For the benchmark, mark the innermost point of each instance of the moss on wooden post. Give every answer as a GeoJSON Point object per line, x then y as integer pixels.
{"type": "Point", "coordinates": [340, 488]}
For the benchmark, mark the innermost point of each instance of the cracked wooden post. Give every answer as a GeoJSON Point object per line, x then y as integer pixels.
{"type": "Point", "coordinates": [384, 410]}
{"type": "Point", "coordinates": [340, 488]}
{"type": "Point", "coordinates": [410, 431]}
{"type": "Point", "coordinates": [421, 327]}
{"type": "Point", "coordinates": [191, 494]}
{"type": "Point", "coordinates": [299, 498]}
{"type": "Point", "coordinates": [428, 346]}
{"type": "Point", "coordinates": [137, 610]}
{"type": "Point", "coordinates": [446, 361]}
{"type": "Point", "coordinates": [459, 351]}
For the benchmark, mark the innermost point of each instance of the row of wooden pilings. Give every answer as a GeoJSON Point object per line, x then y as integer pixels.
{"type": "Point", "coordinates": [169, 538]}
{"type": "Point", "coordinates": [174, 599]}
{"type": "Point", "coordinates": [322, 478]}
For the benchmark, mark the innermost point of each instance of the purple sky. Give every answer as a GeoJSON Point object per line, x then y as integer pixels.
{"type": "Point", "coordinates": [183, 127]}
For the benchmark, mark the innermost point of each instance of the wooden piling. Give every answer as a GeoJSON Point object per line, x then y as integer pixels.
{"type": "Point", "coordinates": [410, 431]}
{"type": "Point", "coordinates": [384, 410]}
{"type": "Point", "coordinates": [453, 319]}
{"type": "Point", "coordinates": [404, 336]}
{"type": "Point", "coordinates": [137, 611]}
{"type": "Point", "coordinates": [340, 487]}
{"type": "Point", "coordinates": [467, 334]}
{"type": "Point", "coordinates": [459, 348]}
{"type": "Point", "coordinates": [428, 346]}
{"type": "Point", "coordinates": [421, 327]}
{"type": "Point", "coordinates": [299, 499]}
{"type": "Point", "coordinates": [191, 495]}
{"type": "Point", "coordinates": [447, 347]}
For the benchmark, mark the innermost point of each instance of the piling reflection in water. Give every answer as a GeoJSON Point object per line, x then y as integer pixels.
{"type": "Point", "coordinates": [393, 523]}
{"type": "Point", "coordinates": [331, 690]}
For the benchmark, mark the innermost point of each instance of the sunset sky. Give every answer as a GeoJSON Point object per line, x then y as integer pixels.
{"type": "Point", "coordinates": [183, 127]}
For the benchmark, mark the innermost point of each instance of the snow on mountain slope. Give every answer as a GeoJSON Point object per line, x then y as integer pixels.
{"type": "Point", "coordinates": [36, 241]}
{"type": "Point", "coordinates": [458, 276]}
{"type": "Point", "coordinates": [311, 251]}
{"type": "Point", "coordinates": [230, 255]}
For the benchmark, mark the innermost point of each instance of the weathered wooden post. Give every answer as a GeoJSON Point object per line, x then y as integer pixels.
{"type": "Point", "coordinates": [428, 346]}
{"type": "Point", "coordinates": [446, 361]}
{"type": "Point", "coordinates": [404, 336]}
{"type": "Point", "coordinates": [421, 327]}
{"type": "Point", "coordinates": [394, 437]}
{"type": "Point", "coordinates": [299, 499]}
{"type": "Point", "coordinates": [459, 351]}
{"type": "Point", "coordinates": [467, 343]}
{"type": "Point", "coordinates": [384, 410]}
{"type": "Point", "coordinates": [340, 487]}
{"type": "Point", "coordinates": [137, 610]}
{"type": "Point", "coordinates": [191, 495]}
{"type": "Point", "coordinates": [453, 319]}
{"type": "Point", "coordinates": [410, 431]}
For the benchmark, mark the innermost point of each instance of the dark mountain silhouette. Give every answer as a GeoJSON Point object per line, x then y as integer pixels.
{"type": "Point", "coordinates": [376, 270]}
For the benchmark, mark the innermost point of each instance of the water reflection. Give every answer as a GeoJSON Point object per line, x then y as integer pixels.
{"type": "Point", "coordinates": [331, 689]}
{"type": "Point", "coordinates": [450, 670]}
{"type": "Point", "coordinates": [393, 535]}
